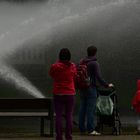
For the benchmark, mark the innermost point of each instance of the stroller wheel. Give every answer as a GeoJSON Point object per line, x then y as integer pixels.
{"type": "Point", "coordinates": [117, 128]}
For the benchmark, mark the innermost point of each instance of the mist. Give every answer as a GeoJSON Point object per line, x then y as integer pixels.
{"type": "Point", "coordinates": [111, 25]}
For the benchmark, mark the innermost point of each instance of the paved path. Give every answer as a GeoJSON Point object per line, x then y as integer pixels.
{"type": "Point", "coordinates": [76, 137]}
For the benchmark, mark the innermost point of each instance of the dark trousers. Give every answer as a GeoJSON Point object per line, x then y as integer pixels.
{"type": "Point", "coordinates": [87, 110]}
{"type": "Point", "coordinates": [64, 104]}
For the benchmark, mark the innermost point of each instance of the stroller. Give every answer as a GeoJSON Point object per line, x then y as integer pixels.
{"type": "Point", "coordinates": [108, 114]}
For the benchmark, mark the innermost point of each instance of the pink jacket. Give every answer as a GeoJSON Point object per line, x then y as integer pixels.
{"type": "Point", "coordinates": [63, 74]}
{"type": "Point", "coordinates": [136, 99]}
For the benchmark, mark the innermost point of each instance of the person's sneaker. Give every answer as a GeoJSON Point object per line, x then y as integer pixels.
{"type": "Point", "coordinates": [95, 133]}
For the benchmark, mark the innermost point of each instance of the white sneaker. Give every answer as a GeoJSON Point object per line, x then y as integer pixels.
{"type": "Point", "coordinates": [95, 133]}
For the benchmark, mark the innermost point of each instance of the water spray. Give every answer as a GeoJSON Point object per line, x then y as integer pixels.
{"type": "Point", "coordinates": [15, 78]}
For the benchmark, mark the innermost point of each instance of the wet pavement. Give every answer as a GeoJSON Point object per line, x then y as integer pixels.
{"type": "Point", "coordinates": [28, 129]}
{"type": "Point", "coordinates": [77, 137]}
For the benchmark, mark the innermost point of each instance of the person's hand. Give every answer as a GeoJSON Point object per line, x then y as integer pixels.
{"type": "Point", "coordinates": [110, 85]}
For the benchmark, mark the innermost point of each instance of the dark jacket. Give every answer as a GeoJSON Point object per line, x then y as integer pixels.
{"type": "Point", "coordinates": [94, 71]}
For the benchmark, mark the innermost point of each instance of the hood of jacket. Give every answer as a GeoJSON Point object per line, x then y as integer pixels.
{"type": "Point", "coordinates": [63, 65]}
{"type": "Point", "coordinates": [89, 58]}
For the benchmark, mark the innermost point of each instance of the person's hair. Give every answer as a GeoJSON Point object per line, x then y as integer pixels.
{"type": "Point", "coordinates": [64, 54]}
{"type": "Point", "coordinates": [91, 50]}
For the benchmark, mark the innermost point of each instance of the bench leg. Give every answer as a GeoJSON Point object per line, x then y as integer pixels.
{"type": "Point", "coordinates": [51, 126]}
{"type": "Point", "coordinates": [42, 127]}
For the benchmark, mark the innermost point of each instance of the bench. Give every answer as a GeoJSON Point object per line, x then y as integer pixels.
{"type": "Point", "coordinates": [42, 108]}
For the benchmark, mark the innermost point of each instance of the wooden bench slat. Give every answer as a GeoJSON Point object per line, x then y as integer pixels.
{"type": "Point", "coordinates": [42, 108]}
{"type": "Point", "coordinates": [24, 114]}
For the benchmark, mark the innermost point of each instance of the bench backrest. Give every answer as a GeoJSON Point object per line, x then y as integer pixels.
{"type": "Point", "coordinates": [21, 104]}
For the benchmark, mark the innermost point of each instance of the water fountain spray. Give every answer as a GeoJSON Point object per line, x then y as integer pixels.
{"type": "Point", "coordinates": [15, 78]}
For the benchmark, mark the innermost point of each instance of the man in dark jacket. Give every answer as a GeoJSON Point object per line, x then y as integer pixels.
{"type": "Point", "coordinates": [89, 95]}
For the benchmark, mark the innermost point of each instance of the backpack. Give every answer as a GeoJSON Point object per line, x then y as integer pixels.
{"type": "Point", "coordinates": [104, 105]}
{"type": "Point", "coordinates": [82, 79]}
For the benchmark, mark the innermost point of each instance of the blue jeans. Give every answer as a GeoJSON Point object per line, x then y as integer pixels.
{"type": "Point", "coordinates": [87, 109]}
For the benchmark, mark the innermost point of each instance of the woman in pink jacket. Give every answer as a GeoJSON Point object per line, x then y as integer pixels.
{"type": "Point", "coordinates": [136, 103]}
{"type": "Point", "coordinates": [63, 73]}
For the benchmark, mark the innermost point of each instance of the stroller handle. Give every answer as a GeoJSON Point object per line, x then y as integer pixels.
{"type": "Point", "coordinates": [106, 91]}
